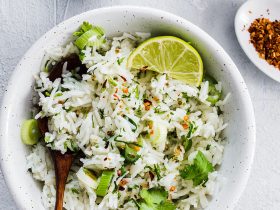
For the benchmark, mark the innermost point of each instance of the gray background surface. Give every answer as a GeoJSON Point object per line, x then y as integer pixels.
{"type": "Point", "coordinates": [22, 22]}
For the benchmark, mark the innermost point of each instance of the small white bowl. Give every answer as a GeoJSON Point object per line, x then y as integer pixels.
{"type": "Point", "coordinates": [238, 113]}
{"type": "Point", "coordinates": [246, 14]}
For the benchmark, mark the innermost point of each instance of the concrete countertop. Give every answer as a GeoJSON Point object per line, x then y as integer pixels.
{"type": "Point", "coordinates": [22, 22]}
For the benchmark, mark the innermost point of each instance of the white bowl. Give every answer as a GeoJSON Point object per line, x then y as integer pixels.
{"type": "Point", "coordinates": [239, 114]}
{"type": "Point", "coordinates": [246, 14]}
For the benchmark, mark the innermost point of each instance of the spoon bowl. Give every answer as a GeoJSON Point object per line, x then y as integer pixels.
{"type": "Point", "coordinates": [246, 14]}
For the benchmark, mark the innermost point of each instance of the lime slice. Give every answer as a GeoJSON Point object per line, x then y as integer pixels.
{"type": "Point", "coordinates": [169, 55]}
{"type": "Point", "coordinates": [104, 183]}
{"type": "Point", "coordinates": [30, 133]}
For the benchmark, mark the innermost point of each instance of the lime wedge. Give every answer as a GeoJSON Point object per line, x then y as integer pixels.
{"type": "Point", "coordinates": [169, 55]}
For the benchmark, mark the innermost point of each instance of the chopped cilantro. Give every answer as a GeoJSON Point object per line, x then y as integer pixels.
{"type": "Point", "coordinates": [130, 154]}
{"type": "Point", "coordinates": [74, 190]}
{"type": "Point", "coordinates": [134, 125]}
{"type": "Point", "coordinates": [120, 60]}
{"type": "Point", "coordinates": [185, 96]}
{"type": "Point", "coordinates": [187, 143]}
{"type": "Point", "coordinates": [155, 199]}
{"type": "Point", "coordinates": [192, 129]}
{"type": "Point", "coordinates": [198, 171]}
{"type": "Point", "coordinates": [157, 171]}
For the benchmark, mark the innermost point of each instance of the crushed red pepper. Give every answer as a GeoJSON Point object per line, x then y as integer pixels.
{"type": "Point", "coordinates": [265, 36]}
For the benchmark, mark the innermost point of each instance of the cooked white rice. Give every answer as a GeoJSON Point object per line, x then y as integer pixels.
{"type": "Point", "coordinates": [88, 114]}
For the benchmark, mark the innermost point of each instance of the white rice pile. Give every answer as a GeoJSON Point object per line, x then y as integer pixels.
{"type": "Point", "coordinates": [111, 105]}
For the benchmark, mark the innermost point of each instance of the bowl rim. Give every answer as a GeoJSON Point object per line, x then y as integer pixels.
{"type": "Point", "coordinates": [161, 13]}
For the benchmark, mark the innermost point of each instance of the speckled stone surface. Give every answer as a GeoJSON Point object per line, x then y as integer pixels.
{"type": "Point", "coordinates": [22, 22]}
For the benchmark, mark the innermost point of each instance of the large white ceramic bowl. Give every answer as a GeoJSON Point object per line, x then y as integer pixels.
{"type": "Point", "coordinates": [240, 133]}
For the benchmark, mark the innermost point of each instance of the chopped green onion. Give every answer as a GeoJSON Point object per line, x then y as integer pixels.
{"type": "Point", "coordinates": [213, 94]}
{"type": "Point", "coordinates": [83, 40]}
{"type": "Point", "coordinates": [104, 183]}
{"type": "Point", "coordinates": [58, 94]}
{"type": "Point", "coordinates": [112, 82]}
{"type": "Point", "coordinates": [136, 90]}
{"type": "Point", "coordinates": [84, 27]}
{"type": "Point", "coordinates": [87, 178]}
{"type": "Point", "coordinates": [46, 93]}
{"type": "Point", "coordinates": [30, 133]}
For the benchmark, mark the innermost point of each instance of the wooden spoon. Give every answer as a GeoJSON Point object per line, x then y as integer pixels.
{"type": "Point", "coordinates": [62, 162]}
{"type": "Point", "coordinates": [62, 165]}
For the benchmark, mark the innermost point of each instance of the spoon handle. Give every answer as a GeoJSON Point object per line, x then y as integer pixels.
{"type": "Point", "coordinates": [62, 165]}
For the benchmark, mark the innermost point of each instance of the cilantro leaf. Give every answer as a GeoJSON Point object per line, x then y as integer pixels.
{"type": "Point", "coordinates": [154, 195]}
{"type": "Point", "coordinates": [120, 60]}
{"type": "Point", "coordinates": [198, 171]}
{"type": "Point", "coordinates": [166, 205]}
{"type": "Point", "coordinates": [155, 199]}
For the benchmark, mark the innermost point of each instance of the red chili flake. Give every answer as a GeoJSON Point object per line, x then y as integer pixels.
{"type": "Point", "coordinates": [123, 182]}
{"type": "Point", "coordinates": [172, 188]}
{"type": "Point", "coordinates": [124, 79]}
{"type": "Point", "coordinates": [147, 104]}
{"type": "Point", "coordinates": [265, 36]}
{"type": "Point", "coordinates": [116, 96]}
{"type": "Point", "coordinates": [125, 90]}
{"type": "Point", "coordinates": [185, 125]}
{"type": "Point", "coordinates": [119, 172]}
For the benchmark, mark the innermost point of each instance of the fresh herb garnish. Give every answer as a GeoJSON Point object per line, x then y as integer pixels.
{"type": "Point", "coordinates": [198, 171]}
{"type": "Point", "coordinates": [130, 154]}
{"type": "Point", "coordinates": [192, 129]}
{"type": "Point", "coordinates": [120, 60]}
{"type": "Point", "coordinates": [157, 171]}
{"type": "Point", "coordinates": [74, 190]}
{"type": "Point", "coordinates": [155, 199]}
{"type": "Point", "coordinates": [187, 143]}
{"type": "Point", "coordinates": [134, 125]}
